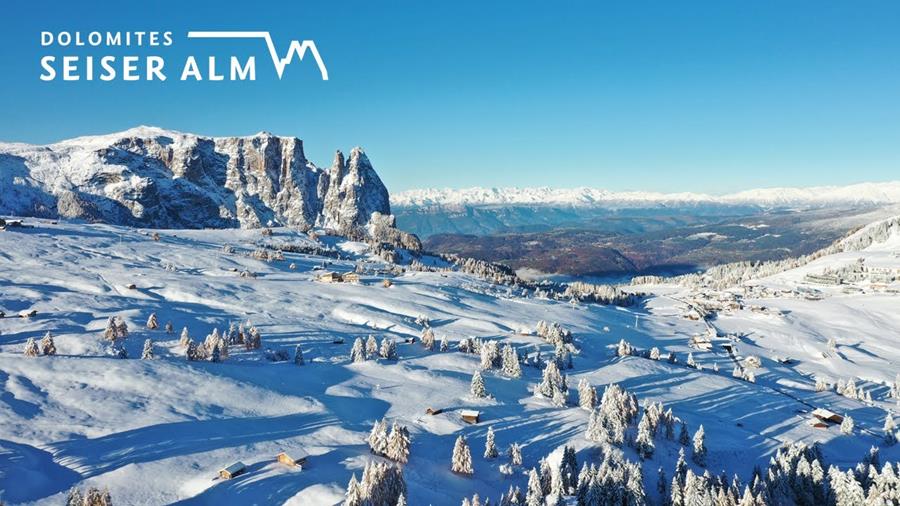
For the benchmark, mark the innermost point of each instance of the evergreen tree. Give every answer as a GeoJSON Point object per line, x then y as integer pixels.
{"type": "Point", "coordinates": [683, 437]}
{"type": "Point", "coordinates": [490, 447]}
{"type": "Point", "coordinates": [428, 338]}
{"type": "Point", "coordinates": [371, 347]}
{"type": "Point", "coordinates": [477, 388]}
{"type": "Point", "coordinates": [74, 498]}
{"type": "Point", "coordinates": [644, 442]}
{"type": "Point", "coordinates": [31, 348]}
{"type": "Point", "coordinates": [510, 362]}
{"type": "Point", "coordinates": [169, 328]}
{"type": "Point", "coordinates": [358, 352]}
{"type": "Point", "coordinates": [354, 495]}
{"type": "Point", "coordinates": [535, 494]}
{"type": "Point", "coordinates": [121, 328]}
{"type": "Point", "coordinates": [461, 462]}
{"type": "Point", "coordinates": [388, 349]}
{"type": "Point", "coordinates": [398, 443]}
{"type": "Point", "coordinates": [152, 323]}
{"type": "Point", "coordinates": [890, 430]}
{"type": "Point", "coordinates": [847, 425]}
{"type": "Point", "coordinates": [587, 395]}
{"type": "Point", "coordinates": [515, 454]}
{"type": "Point", "coordinates": [378, 437]}
{"type": "Point", "coordinates": [216, 355]}
{"type": "Point", "coordinates": [110, 334]}
{"type": "Point", "coordinates": [444, 345]}
{"type": "Point", "coordinates": [699, 453]}
{"type": "Point", "coordinates": [147, 353]}
{"type": "Point", "coordinates": [48, 347]}
{"type": "Point", "coordinates": [185, 338]}
{"type": "Point", "coordinates": [298, 356]}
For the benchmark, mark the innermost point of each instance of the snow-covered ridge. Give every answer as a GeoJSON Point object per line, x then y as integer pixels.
{"type": "Point", "coordinates": [874, 193]}
{"type": "Point", "coordinates": [153, 177]}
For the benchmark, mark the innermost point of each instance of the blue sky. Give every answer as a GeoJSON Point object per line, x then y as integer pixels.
{"type": "Point", "coordinates": [671, 96]}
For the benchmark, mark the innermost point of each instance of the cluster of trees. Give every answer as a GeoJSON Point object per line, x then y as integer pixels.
{"type": "Point", "coordinates": [553, 332]}
{"type": "Point", "coordinates": [850, 390]}
{"type": "Point", "coordinates": [600, 294]}
{"type": "Point", "coordinates": [610, 420]}
{"type": "Point", "coordinates": [553, 385]}
{"type": "Point", "coordinates": [92, 496]}
{"type": "Point", "coordinates": [382, 484]}
{"type": "Point", "coordinates": [116, 329]}
{"type": "Point", "coordinates": [393, 445]}
{"type": "Point", "coordinates": [46, 346]}
{"type": "Point", "coordinates": [370, 349]}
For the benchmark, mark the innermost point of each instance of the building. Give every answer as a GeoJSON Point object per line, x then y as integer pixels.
{"type": "Point", "coordinates": [236, 469]}
{"type": "Point", "coordinates": [287, 460]}
{"type": "Point", "coordinates": [470, 416]}
{"type": "Point", "coordinates": [328, 277]}
{"type": "Point", "coordinates": [823, 415]}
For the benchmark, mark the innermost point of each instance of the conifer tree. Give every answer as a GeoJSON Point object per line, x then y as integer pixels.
{"type": "Point", "coordinates": [847, 425]}
{"type": "Point", "coordinates": [358, 352]}
{"type": "Point", "coordinates": [354, 495]}
{"type": "Point", "coordinates": [378, 437]}
{"type": "Point", "coordinates": [169, 328]}
{"type": "Point", "coordinates": [699, 453]}
{"type": "Point", "coordinates": [398, 444]}
{"type": "Point", "coordinates": [535, 494]}
{"type": "Point", "coordinates": [461, 462]}
{"type": "Point", "coordinates": [121, 328]}
{"type": "Point", "coordinates": [490, 447]}
{"type": "Point", "coordinates": [388, 349]}
{"type": "Point", "coordinates": [890, 430]}
{"type": "Point", "coordinates": [510, 362]}
{"type": "Point", "coordinates": [48, 346]}
{"type": "Point", "coordinates": [371, 347]}
{"type": "Point", "coordinates": [31, 348]}
{"type": "Point", "coordinates": [515, 454]}
{"type": "Point", "coordinates": [587, 395]}
{"type": "Point", "coordinates": [216, 355]}
{"type": "Point", "coordinates": [683, 437]}
{"type": "Point", "coordinates": [477, 388]}
{"type": "Point", "coordinates": [444, 344]}
{"type": "Point", "coordinates": [110, 334]}
{"type": "Point", "coordinates": [147, 353]}
{"type": "Point", "coordinates": [298, 356]}
{"type": "Point", "coordinates": [428, 338]}
{"type": "Point", "coordinates": [644, 442]}
{"type": "Point", "coordinates": [152, 323]}
{"type": "Point", "coordinates": [185, 338]}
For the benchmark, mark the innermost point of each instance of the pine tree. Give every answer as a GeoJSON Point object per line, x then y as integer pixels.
{"type": "Point", "coordinates": [190, 351]}
{"type": "Point", "coordinates": [587, 395]}
{"type": "Point", "coordinates": [398, 444]}
{"type": "Point", "coordinates": [169, 328]}
{"type": "Point", "coordinates": [654, 353]}
{"type": "Point", "coordinates": [31, 348]}
{"type": "Point", "coordinates": [461, 462]}
{"type": "Point", "coordinates": [121, 328]}
{"type": "Point", "coordinates": [683, 437]}
{"type": "Point", "coordinates": [358, 352]}
{"type": "Point", "coordinates": [515, 454]}
{"type": "Point", "coordinates": [216, 355]}
{"type": "Point", "coordinates": [110, 335]}
{"type": "Point", "coordinates": [74, 498]}
{"type": "Point", "coordinates": [699, 453]}
{"type": "Point", "coordinates": [378, 437]}
{"type": "Point", "coordinates": [428, 338]}
{"type": "Point", "coordinates": [847, 425]}
{"type": "Point", "coordinates": [477, 388]}
{"type": "Point", "coordinates": [490, 447]}
{"type": "Point", "coordinates": [298, 356]}
{"type": "Point", "coordinates": [510, 362]}
{"type": "Point", "coordinates": [185, 338]}
{"type": "Point", "coordinates": [223, 348]}
{"type": "Point", "coordinates": [354, 495]}
{"type": "Point", "coordinates": [535, 494]}
{"type": "Point", "coordinates": [690, 361]}
{"type": "Point", "coordinates": [147, 353]}
{"type": "Point", "coordinates": [371, 347]}
{"type": "Point", "coordinates": [444, 344]}
{"type": "Point", "coordinates": [644, 442]}
{"type": "Point", "coordinates": [388, 349]}
{"type": "Point", "coordinates": [890, 430]}
{"type": "Point", "coordinates": [48, 347]}
{"type": "Point", "coordinates": [152, 323]}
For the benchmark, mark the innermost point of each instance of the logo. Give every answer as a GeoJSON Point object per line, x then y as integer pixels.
{"type": "Point", "coordinates": [154, 67]}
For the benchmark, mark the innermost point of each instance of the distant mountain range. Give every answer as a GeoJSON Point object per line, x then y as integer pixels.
{"type": "Point", "coordinates": [157, 178]}
{"type": "Point", "coordinates": [864, 193]}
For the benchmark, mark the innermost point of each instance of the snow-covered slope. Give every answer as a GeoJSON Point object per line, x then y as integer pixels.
{"type": "Point", "coordinates": [151, 177]}
{"type": "Point", "coordinates": [157, 431]}
{"type": "Point", "coordinates": [868, 193]}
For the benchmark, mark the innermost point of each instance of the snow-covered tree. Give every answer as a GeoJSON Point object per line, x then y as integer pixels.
{"type": "Point", "coordinates": [354, 495]}
{"type": "Point", "coordinates": [428, 338]}
{"type": "Point", "coordinates": [490, 355]}
{"type": "Point", "coordinates": [644, 441]}
{"type": "Point", "coordinates": [398, 443]}
{"type": "Point", "coordinates": [461, 462]}
{"type": "Point", "coordinates": [444, 344]}
{"type": "Point", "coordinates": [587, 395]}
{"type": "Point", "coordinates": [110, 333]}
{"type": "Point", "coordinates": [298, 356]}
{"type": "Point", "coordinates": [624, 348]}
{"type": "Point", "coordinates": [216, 355]}
{"type": "Point", "coordinates": [48, 347]}
{"type": "Point", "coordinates": [847, 425]}
{"type": "Point", "coordinates": [388, 349]}
{"type": "Point", "coordinates": [358, 352]}
{"type": "Point", "coordinates": [477, 388]}
{"type": "Point", "coordinates": [699, 448]}
{"type": "Point", "coordinates": [515, 454]}
{"type": "Point", "coordinates": [185, 338]}
{"type": "Point", "coordinates": [654, 353]}
{"type": "Point", "coordinates": [490, 446]}
{"type": "Point", "coordinates": [378, 437]}
{"type": "Point", "coordinates": [169, 328]}
{"type": "Point", "coordinates": [147, 353]}
{"type": "Point", "coordinates": [890, 430]}
{"type": "Point", "coordinates": [535, 494]}
{"type": "Point", "coordinates": [371, 347]}
{"type": "Point", "coordinates": [821, 384]}
{"type": "Point", "coordinates": [552, 382]}
{"type": "Point", "coordinates": [152, 323]}
{"type": "Point", "coordinates": [690, 361]}
{"type": "Point", "coordinates": [510, 365]}
{"type": "Point", "coordinates": [253, 341]}
{"type": "Point", "coordinates": [684, 438]}
{"type": "Point", "coordinates": [31, 348]}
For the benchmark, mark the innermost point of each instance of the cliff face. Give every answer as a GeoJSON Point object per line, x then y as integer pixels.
{"type": "Point", "coordinates": [154, 178]}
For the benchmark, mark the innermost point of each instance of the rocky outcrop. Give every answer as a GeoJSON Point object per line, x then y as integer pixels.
{"type": "Point", "coordinates": [155, 178]}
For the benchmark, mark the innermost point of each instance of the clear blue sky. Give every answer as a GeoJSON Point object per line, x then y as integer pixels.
{"type": "Point", "coordinates": [706, 96]}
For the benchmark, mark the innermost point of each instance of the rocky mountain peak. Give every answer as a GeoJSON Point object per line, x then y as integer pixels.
{"type": "Point", "coordinates": [156, 178]}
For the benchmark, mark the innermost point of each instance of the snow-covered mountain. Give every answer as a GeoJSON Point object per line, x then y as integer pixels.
{"type": "Point", "coordinates": [151, 177]}
{"type": "Point", "coordinates": [864, 193]}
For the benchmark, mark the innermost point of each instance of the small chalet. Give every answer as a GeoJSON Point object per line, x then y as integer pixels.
{"type": "Point", "coordinates": [236, 469]}
{"type": "Point", "coordinates": [328, 277]}
{"type": "Point", "coordinates": [287, 460]}
{"type": "Point", "coordinates": [470, 416]}
{"type": "Point", "coordinates": [824, 415]}
{"type": "Point", "coordinates": [350, 277]}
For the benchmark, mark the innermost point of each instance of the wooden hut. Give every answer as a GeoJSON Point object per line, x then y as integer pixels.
{"type": "Point", "coordinates": [825, 415]}
{"type": "Point", "coordinates": [287, 460]}
{"type": "Point", "coordinates": [350, 277]}
{"type": "Point", "coordinates": [470, 416]}
{"type": "Point", "coordinates": [236, 469]}
{"type": "Point", "coordinates": [328, 277]}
